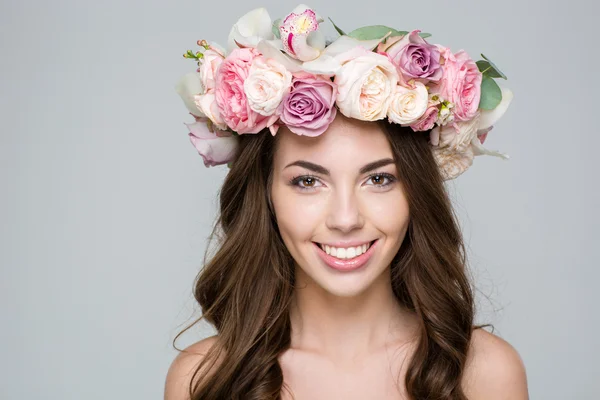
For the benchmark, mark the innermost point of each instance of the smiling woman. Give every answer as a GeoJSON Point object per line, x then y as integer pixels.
{"type": "Point", "coordinates": [301, 313]}
{"type": "Point", "coordinates": [340, 270]}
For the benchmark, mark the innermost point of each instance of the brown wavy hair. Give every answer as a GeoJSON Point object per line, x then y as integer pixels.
{"type": "Point", "coordinates": [246, 286]}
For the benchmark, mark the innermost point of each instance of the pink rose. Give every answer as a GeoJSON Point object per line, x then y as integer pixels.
{"type": "Point", "coordinates": [460, 83]}
{"type": "Point", "coordinates": [413, 56]}
{"type": "Point", "coordinates": [310, 107]}
{"type": "Point", "coordinates": [427, 120]}
{"type": "Point", "coordinates": [231, 98]}
{"type": "Point", "coordinates": [215, 148]}
{"type": "Point", "coordinates": [431, 115]}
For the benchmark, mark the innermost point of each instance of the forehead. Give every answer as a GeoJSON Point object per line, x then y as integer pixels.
{"type": "Point", "coordinates": [346, 143]}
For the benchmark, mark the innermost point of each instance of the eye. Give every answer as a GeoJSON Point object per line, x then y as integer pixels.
{"type": "Point", "coordinates": [380, 177]}
{"type": "Point", "coordinates": [309, 179]}
{"type": "Point", "coordinates": [307, 182]}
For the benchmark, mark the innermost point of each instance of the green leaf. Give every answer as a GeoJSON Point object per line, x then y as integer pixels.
{"type": "Point", "coordinates": [422, 34]}
{"type": "Point", "coordinates": [491, 95]}
{"type": "Point", "coordinates": [275, 28]}
{"type": "Point", "coordinates": [488, 68]}
{"type": "Point", "coordinates": [339, 30]}
{"type": "Point", "coordinates": [373, 32]}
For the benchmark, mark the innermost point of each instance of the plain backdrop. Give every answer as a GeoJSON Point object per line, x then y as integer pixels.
{"type": "Point", "coordinates": [106, 206]}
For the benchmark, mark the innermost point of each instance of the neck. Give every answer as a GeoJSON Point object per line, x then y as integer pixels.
{"type": "Point", "coordinates": [348, 327]}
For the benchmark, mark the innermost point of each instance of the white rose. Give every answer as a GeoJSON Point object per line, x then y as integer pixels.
{"type": "Point", "coordinates": [267, 82]}
{"type": "Point", "coordinates": [365, 84]}
{"type": "Point", "coordinates": [408, 105]}
{"type": "Point", "coordinates": [207, 104]}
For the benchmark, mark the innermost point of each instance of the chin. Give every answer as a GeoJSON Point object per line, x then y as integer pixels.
{"type": "Point", "coordinates": [344, 287]}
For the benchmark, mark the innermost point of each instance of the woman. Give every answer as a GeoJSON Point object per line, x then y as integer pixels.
{"type": "Point", "coordinates": [340, 271]}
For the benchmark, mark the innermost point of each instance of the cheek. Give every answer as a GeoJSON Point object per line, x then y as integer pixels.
{"type": "Point", "coordinates": [389, 214]}
{"type": "Point", "coordinates": [297, 216]}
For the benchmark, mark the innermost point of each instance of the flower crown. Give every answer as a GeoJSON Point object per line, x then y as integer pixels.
{"type": "Point", "coordinates": [286, 73]}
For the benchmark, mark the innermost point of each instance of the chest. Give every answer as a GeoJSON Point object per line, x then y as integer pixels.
{"type": "Point", "coordinates": [311, 377]}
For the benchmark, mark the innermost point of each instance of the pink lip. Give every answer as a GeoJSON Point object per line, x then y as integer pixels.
{"type": "Point", "coordinates": [346, 265]}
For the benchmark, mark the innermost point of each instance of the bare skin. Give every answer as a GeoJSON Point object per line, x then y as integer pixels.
{"type": "Point", "coordinates": [350, 337]}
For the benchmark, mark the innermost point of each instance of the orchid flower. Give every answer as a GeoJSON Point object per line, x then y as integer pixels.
{"type": "Point", "coordinates": [188, 87]}
{"type": "Point", "coordinates": [327, 63]}
{"type": "Point", "coordinates": [302, 44]}
{"type": "Point", "coordinates": [300, 34]}
{"type": "Point", "coordinates": [249, 30]}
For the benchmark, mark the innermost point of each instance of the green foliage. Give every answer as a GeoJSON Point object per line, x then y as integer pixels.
{"type": "Point", "coordinates": [339, 30]}
{"type": "Point", "coordinates": [488, 68]}
{"type": "Point", "coordinates": [491, 95]}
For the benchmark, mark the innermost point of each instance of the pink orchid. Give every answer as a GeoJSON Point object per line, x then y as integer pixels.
{"type": "Point", "coordinates": [300, 34]}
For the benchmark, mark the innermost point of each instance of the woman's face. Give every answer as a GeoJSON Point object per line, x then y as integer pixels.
{"type": "Point", "coordinates": [345, 204]}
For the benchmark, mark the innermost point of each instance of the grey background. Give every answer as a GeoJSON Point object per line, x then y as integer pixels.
{"type": "Point", "coordinates": [106, 206]}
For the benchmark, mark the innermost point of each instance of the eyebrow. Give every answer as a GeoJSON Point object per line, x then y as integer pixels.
{"type": "Point", "coordinates": [324, 171]}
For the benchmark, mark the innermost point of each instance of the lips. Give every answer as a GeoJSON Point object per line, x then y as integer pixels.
{"type": "Point", "coordinates": [346, 264]}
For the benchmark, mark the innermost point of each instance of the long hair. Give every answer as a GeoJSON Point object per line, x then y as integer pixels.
{"type": "Point", "coordinates": [245, 288]}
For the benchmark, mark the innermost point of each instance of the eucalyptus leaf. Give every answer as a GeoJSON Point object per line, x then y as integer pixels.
{"type": "Point", "coordinates": [338, 29]}
{"type": "Point", "coordinates": [275, 28]}
{"type": "Point", "coordinates": [422, 34]}
{"type": "Point", "coordinates": [494, 68]}
{"type": "Point", "coordinates": [491, 95]}
{"type": "Point", "coordinates": [487, 70]}
{"type": "Point", "coordinates": [373, 32]}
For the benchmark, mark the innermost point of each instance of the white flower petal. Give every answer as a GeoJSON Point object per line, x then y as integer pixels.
{"type": "Point", "coordinates": [479, 150]}
{"type": "Point", "coordinates": [345, 43]}
{"type": "Point", "coordinates": [316, 39]}
{"type": "Point", "coordinates": [276, 43]}
{"type": "Point", "coordinates": [189, 86]}
{"type": "Point", "coordinates": [249, 30]}
{"type": "Point", "coordinates": [489, 117]}
{"type": "Point", "coordinates": [323, 65]}
{"type": "Point", "coordinates": [268, 50]}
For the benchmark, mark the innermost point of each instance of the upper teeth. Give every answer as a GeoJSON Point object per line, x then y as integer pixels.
{"type": "Point", "coordinates": [344, 253]}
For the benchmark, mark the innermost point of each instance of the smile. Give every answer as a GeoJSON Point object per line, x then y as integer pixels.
{"type": "Point", "coordinates": [351, 260]}
{"type": "Point", "coordinates": [347, 252]}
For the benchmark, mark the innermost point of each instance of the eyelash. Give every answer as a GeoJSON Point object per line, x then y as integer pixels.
{"type": "Point", "coordinates": [297, 179]}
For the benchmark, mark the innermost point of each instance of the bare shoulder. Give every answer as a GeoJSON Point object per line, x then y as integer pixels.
{"type": "Point", "coordinates": [183, 367]}
{"type": "Point", "coordinates": [494, 369]}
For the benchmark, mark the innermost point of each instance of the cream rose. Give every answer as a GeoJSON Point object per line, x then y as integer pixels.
{"type": "Point", "coordinates": [408, 105]}
{"type": "Point", "coordinates": [207, 104]}
{"type": "Point", "coordinates": [456, 135]}
{"type": "Point", "coordinates": [267, 82]}
{"type": "Point", "coordinates": [365, 83]}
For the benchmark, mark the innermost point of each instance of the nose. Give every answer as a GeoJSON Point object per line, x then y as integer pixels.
{"type": "Point", "coordinates": [345, 212]}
